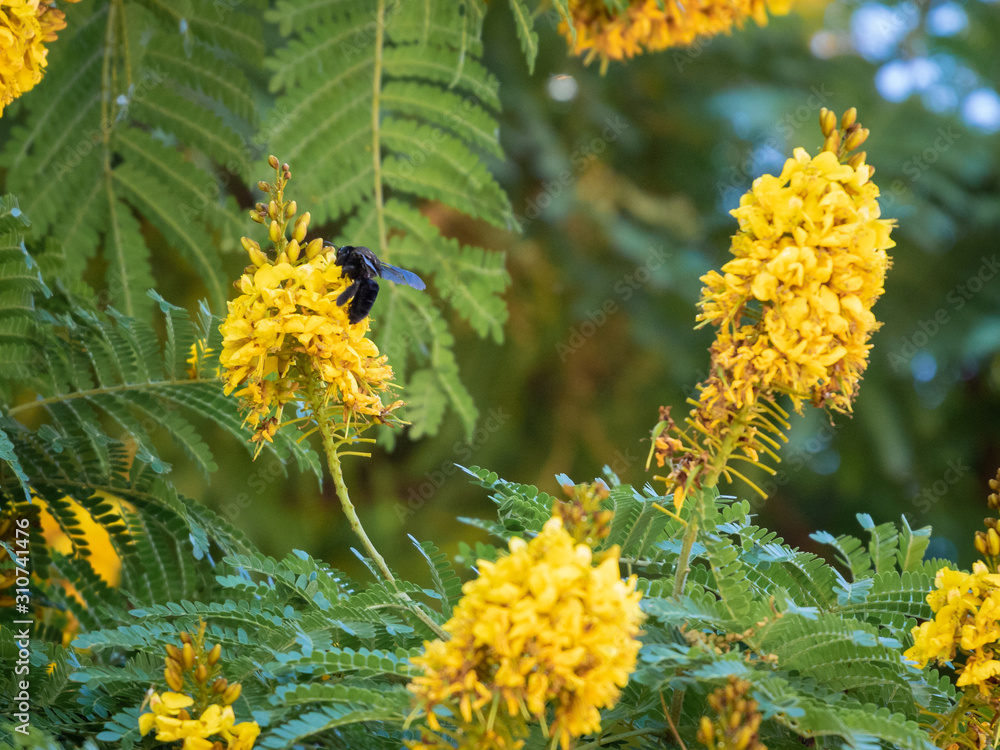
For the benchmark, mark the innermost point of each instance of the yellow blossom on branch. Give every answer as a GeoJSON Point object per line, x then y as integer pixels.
{"type": "Point", "coordinates": [595, 28]}
{"type": "Point", "coordinates": [199, 705]}
{"type": "Point", "coordinates": [966, 610]}
{"type": "Point", "coordinates": [25, 26]}
{"type": "Point", "coordinates": [543, 630]}
{"type": "Point", "coordinates": [286, 333]}
{"type": "Point", "coordinates": [792, 310]}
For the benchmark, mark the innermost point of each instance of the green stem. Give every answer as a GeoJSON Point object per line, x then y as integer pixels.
{"type": "Point", "coordinates": [336, 471]}
{"type": "Point", "coordinates": [333, 461]}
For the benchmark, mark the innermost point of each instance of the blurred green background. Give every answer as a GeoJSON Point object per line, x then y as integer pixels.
{"type": "Point", "coordinates": [622, 184]}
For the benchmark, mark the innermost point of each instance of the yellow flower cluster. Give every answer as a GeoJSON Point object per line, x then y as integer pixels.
{"type": "Point", "coordinates": [169, 716]}
{"type": "Point", "coordinates": [25, 26]}
{"type": "Point", "coordinates": [285, 334]}
{"type": "Point", "coordinates": [653, 25]}
{"type": "Point", "coordinates": [966, 610]}
{"type": "Point", "coordinates": [811, 252]}
{"type": "Point", "coordinates": [736, 722]}
{"type": "Point", "coordinates": [193, 669]}
{"type": "Point", "coordinates": [793, 309]}
{"type": "Point", "coordinates": [543, 628]}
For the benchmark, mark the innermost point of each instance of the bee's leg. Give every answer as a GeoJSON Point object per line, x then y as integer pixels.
{"type": "Point", "coordinates": [348, 293]}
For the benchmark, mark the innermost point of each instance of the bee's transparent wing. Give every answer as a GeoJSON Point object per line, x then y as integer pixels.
{"type": "Point", "coordinates": [402, 276]}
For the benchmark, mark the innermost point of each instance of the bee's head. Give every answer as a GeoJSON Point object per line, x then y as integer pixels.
{"type": "Point", "coordinates": [343, 252]}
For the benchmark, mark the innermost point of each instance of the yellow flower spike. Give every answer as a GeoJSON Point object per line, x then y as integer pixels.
{"type": "Point", "coordinates": [286, 337]}
{"type": "Point", "coordinates": [594, 31]}
{"type": "Point", "coordinates": [541, 630]}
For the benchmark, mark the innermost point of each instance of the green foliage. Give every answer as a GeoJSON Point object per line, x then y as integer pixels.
{"type": "Point", "coordinates": [134, 138]}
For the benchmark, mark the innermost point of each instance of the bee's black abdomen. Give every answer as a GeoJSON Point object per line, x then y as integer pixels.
{"type": "Point", "coordinates": [363, 300]}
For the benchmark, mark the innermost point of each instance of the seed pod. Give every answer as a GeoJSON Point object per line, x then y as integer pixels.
{"type": "Point", "coordinates": [220, 685]}
{"type": "Point", "coordinates": [273, 161]}
{"type": "Point", "coordinates": [174, 680]}
{"type": "Point", "coordinates": [290, 209]}
{"type": "Point", "coordinates": [214, 653]}
{"type": "Point", "coordinates": [849, 118]}
{"type": "Point", "coordinates": [274, 232]}
{"type": "Point", "coordinates": [187, 654]}
{"type": "Point", "coordinates": [314, 248]}
{"type": "Point", "coordinates": [827, 121]}
{"type": "Point", "coordinates": [232, 693]}
{"type": "Point", "coordinates": [201, 674]}
{"type": "Point", "coordinates": [293, 250]}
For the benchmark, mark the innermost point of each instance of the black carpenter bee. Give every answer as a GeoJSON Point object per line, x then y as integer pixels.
{"type": "Point", "coordinates": [361, 266]}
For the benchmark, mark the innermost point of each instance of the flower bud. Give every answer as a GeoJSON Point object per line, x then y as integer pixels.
{"type": "Point", "coordinates": [858, 159]}
{"type": "Point", "coordinates": [174, 680]}
{"type": "Point", "coordinates": [314, 248]}
{"type": "Point", "coordinates": [220, 685]}
{"type": "Point", "coordinates": [301, 227]}
{"type": "Point", "coordinates": [293, 250]}
{"type": "Point", "coordinates": [173, 652]}
{"type": "Point", "coordinates": [175, 664]}
{"type": "Point", "coordinates": [274, 232]}
{"type": "Point", "coordinates": [282, 258]}
{"type": "Point", "coordinates": [187, 654]}
{"type": "Point", "coordinates": [256, 216]}
{"type": "Point", "coordinates": [993, 542]}
{"type": "Point", "coordinates": [979, 542]}
{"type": "Point", "coordinates": [258, 259]}
{"type": "Point", "coordinates": [201, 674]}
{"type": "Point", "coordinates": [849, 118]}
{"type": "Point", "coordinates": [185, 637]}
{"type": "Point", "coordinates": [232, 693]}
{"type": "Point", "coordinates": [214, 654]}
{"type": "Point", "coordinates": [273, 161]}
{"type": "Point", "coordinates": [827, 121]}
{"type": "Point", "coordinates": [990, 523]}
{"type": "Point", "coordinates": [183, 715]}
{"type": "Point", "coordinates": [832, 142]}
{"type": "Point", "coordinates": [249, 245]}
{"type": "Point", "coordinates": [855, 138]}
{"type": "Point", "coordinates": [290, 209]}
{"type": "Point", "coordinates": [264, 186]}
